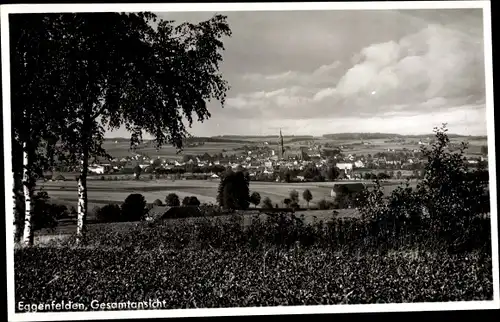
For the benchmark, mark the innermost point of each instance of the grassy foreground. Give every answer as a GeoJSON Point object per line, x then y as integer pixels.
{"type": "Point", "coordinates": [226, 263]}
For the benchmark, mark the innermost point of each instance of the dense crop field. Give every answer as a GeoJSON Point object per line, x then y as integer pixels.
{"type": "Point", "coordinates": [215, 278]}
{"type": "Point", "coordinates": [223, 263]}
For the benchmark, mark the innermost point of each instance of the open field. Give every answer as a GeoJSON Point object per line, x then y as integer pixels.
{"type": "Point", "coordinates": [105, 192]}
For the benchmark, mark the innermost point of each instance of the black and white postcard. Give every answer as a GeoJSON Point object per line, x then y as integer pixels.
{"type": "Point", "coordinates": [223, 159]}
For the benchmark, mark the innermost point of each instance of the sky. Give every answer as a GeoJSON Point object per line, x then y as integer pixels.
{"type": "Point", "coordinates": [319, 72]}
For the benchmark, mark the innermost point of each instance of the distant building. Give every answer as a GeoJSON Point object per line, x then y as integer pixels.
{"type": "Point", "coordinates": [344, 166]}
{"type": "Point", "coordinates": [359, 164]}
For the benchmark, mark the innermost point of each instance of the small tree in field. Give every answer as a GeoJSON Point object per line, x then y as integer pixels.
{"type": "Point", "coordinates": [255, 198]}
{"type": "Point", "coordinates": [157, 202]}
{"type": "Point", "coordinates": [267, 203]}
{"type": "Point", "coordinates": [307, 195]}
{"type": "Point", "coordinates": [294, 196]}
{"type": "Point", "coordinates": [233, 192]}
{"type": "Point", "coordinates": [137, 172]}
{"type": "Point", "coordinates": [172, 200]}
{"type": "Point", "coordinates": [190, 201]}
{"type": "Point", "coordinates": [193, 201]}
{"type": "Point", "coordinates": [287, 201]}
{"type": "Point", "coordinates": [133, 208]}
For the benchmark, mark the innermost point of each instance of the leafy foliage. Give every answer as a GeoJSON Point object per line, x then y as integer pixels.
{"type": "Point", "coordinates": [255, 198]}
{"type": "Point", "coordinates": [137, 172]}
{"type": "Point", "coordinates": [46, 214]}
{"type": "Point", "coordinates": [109, 213]}
{"type": "Point", "coordinates": [133, 208]}
{"type": "Point", "coordinates": [267, 203]}
{"type": "Point", "coordinates": [190, 201]}
{"type": "Point", "coordinates": [69, 93]}
{"type": "Point", "coordinates": [294, 196]}
{"type": "Point", "coordinates": [233, 191]}
{"type": "Point", "coordinates": [172, 200]}
{"type": "Point", "coordinates": [325, 204]}
{"type": "Point", "coordinates": [157, 202]}
{"type": "Point", "coordinates": [451, 196]}
{"type": "Point", "coordinates": [307, 196]}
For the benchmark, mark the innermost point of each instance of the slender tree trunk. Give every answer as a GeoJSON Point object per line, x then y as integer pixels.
{"type": "Point", "coordinates": [82, 197]}
{"type": "Point", "coordinates": [18, 192]}
{"type": "Point", "coordinates": [28, 197]}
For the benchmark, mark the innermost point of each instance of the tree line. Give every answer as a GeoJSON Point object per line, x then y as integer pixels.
{"type": "Point", "coordinates": [76, 75]}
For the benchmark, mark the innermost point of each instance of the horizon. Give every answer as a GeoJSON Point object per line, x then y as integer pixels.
{"type": "Point", "coordinates": [316, 77]}
{"type": "Point", "coordinates": [316, 136]}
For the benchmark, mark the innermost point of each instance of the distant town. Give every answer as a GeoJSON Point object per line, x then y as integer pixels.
{"type": "Point", "coordinates": [273, 160]}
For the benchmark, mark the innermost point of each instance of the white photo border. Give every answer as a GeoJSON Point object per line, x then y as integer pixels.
{"type": "Point", "coordinates": [227, 7]}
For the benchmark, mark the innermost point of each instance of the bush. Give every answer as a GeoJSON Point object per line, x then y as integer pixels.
{"type": "Point", "coordinates": [233, 192]}
{"type": "Point", "coordinates": [109, 213]}
{"type": "Point", "coordinates": [134, 207]}
{"type": "Point", "coordinates": [325, 204]}
{"type": "Point", "coordinates": [255, 198]}
{"type": "Point", "coordinates": [45, 214]}
{"type": "Point", "coordinates": [450, 198]}
{"type": "Point", "coordinates": [157, 202]}
{"type": "Point", "coordinates": [267, 203]}
{"type": "Point", "coordinates": [95, 211]}
{"type": "Point", "coordinates": [190, 201]}
{"type": "Point", "coordinates": [172, 200]}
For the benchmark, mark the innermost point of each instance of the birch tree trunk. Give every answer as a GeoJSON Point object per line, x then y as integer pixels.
{"type": "Point", "coordinates": [17, 189]}
{"type": "Point", "coordinates": [82, 198]}
{"type": "Point", "coordinates": [28, 196]}
{"type": "Point", "coordinates": [18, 196]}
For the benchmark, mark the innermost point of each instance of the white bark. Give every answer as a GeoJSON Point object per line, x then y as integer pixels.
{"type": "Point", "coordinates": [28, 194]}
{"type": "Point", "coordinates": [82, 203]}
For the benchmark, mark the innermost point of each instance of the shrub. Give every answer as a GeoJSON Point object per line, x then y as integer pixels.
{"type": "Point", "coordinates": [45, 214]}
{"type": "Point", "coordinates": [255, 198]}
{"type": "Point", "coordinates": [133, 208]}
{"type": "Point", "coordinates": [109, 213]}
{"type": "Point", "coordinates": [172, 200]}
{"type": "Point", "coordinates": [287, 202]}
{"type": "Point", "coordinates": [325, 204]}
{"type": "Point", "coordinates": [294, 205]}
{"type": "Point", "coordinates": [307, 196]}
{"type": "Point", "coordinates": [72, 211]}
{"type": "Point", "coordinates": [267, 203]}
{"type": "Point", "coordinates": [233, 191]}
{"type": "Point", "coordinates": [157, 202]}
{"type": "Point", "coordinates": [190, 201]}
{"type": "Point", "coordinates": [95, 211]}
{"type": "Point", "coordinates": [449, 199]}
{"type": "Point", "coordinates": [294, 196]}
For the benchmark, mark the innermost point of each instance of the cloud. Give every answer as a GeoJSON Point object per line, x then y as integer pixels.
{"type": "Point", "coordinates": [435, 68]}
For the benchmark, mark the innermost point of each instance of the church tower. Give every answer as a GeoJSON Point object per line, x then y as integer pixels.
{"type": "Point", "coordinates": [281, 150]}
